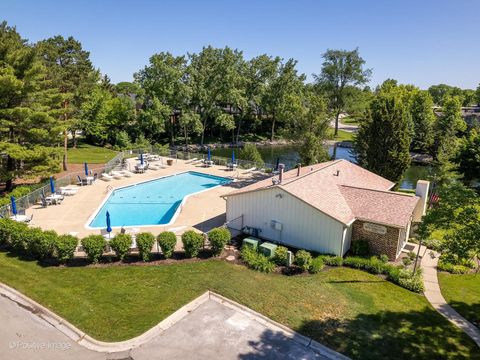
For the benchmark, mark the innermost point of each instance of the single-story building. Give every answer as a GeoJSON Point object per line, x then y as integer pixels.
{"type": "Point", "coordinates": [325, 207]}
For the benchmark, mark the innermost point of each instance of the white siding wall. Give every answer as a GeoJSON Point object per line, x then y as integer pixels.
{"type": "Point", "coordinates": [347, 240]}
{"type": "Point", "coordinates": [302, 225]}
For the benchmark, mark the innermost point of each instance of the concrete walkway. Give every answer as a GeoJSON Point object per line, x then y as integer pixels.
{"type": "Point", "coordinates": [435, 297]}
{"type": "Point", "coordinates": [209, 327]}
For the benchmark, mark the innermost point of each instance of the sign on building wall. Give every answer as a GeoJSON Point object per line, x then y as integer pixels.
{"type": "Point", "coordinates": [375, 228]}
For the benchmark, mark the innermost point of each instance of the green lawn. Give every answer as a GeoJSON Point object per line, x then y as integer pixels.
{"type": "Point", "coordinates": [350, 121]}
{"type": "Point", "coordinates": [89, 153]}
{"type": "Point", "coordinates": [354, 312]}
{"type": "Point", "coordinates": [462, 292]}
{"type": "Point", "coordinates": [342, 135]}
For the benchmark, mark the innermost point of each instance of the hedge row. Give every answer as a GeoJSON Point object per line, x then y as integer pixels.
{"type": "Point", "coordinates": [39, 244]}
{"type": "Point", "coordinates": [304, 261]}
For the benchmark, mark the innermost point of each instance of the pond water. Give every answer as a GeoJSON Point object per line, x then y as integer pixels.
{"type": "Point", "coordinates": [289, 156]}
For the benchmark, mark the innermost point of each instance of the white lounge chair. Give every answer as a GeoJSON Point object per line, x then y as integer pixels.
{"type": "Point", "coordinates": [127, 173]}
{"type": "Point", "coordinates": [248, 171]}
{"type": "Point", "coordinates": [191, 161]}
{"type": "Point", "coordinates": [107, 177]}
{"type": "Point", "coordinates": [117, 174]}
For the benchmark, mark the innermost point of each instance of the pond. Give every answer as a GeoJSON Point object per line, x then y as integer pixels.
{"type": "Point", "coordinates": [289, 155]}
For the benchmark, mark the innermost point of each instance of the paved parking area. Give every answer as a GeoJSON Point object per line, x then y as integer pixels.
{"type": "Point", "coordinates": [211, 331]}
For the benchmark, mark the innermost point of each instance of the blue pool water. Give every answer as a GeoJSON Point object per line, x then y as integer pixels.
{"type": "Point", "coordinates": [154, 202]}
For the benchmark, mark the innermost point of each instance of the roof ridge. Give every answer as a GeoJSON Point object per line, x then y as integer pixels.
{"type": "Point", "coordinates": [295, 178]}
{"type": "Point", "coordinates": [377, 190]}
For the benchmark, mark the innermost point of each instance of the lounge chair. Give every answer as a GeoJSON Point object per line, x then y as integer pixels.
{"type": "Point", "coordinates": [81, 182]}
{"type": "Point", "coordinates": [154, 167]}
{"type": "Point", "coordinates": [117, 174]}
{"type": "Point", "coordinates": [29, 219]}
{"type": "Point", "coordinates": [127, 173]}
{"type": "Point", "coordinates": [44, 201]}
{"type": "Point", "coordinates": [107, 177]}
{"type": "Point", "coordinates": [248, 171]}
{"type": "Point", "coordinates": [191, 161]}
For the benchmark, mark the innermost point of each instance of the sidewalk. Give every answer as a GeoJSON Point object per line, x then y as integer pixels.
{"type": "Point", "coordinates": [435, 297]}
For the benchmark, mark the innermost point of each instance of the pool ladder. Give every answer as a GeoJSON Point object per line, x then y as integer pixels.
{"type": "Point", "coordinates": [109, 188]}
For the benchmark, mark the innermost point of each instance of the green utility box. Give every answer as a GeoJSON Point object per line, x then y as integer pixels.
{"type": "Point", "coordinates": [251, 241]}
{"type": "Point", "coordinates": [268, 249]}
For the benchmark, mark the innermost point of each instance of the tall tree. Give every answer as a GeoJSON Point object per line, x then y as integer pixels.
{"type": "Point", "coordinates": [340, 69]}
{"type": "Point", "coordinates": [164, 83]}
{"type": "Point", "coordinates": [28, 125]}
{"type": "Point", "coordinates": [383, 141]}
{"type": "Point", "coordinates": [311, 127]}
{"type": "Point", "coordinates": [69, 70]}
{"type": "Point", "coordinates": [448, 125]}
{"type": "Point", "coordinates": [469, 156]}
{"type": "Point", "coordinates": [283, 95]}
{"type": "Point", "coordinates": [423, 118]}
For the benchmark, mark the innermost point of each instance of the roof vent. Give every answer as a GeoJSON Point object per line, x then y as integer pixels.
{"type": "Point", "coordinates": [281, 168]}
{"type": "Point", "coordinates": [338, 173]}
{"type": "Point", "coordinates": [298, 169]}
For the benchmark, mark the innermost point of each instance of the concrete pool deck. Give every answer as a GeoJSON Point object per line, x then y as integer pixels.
{"type": "Point", "coordinates": [201, 211]}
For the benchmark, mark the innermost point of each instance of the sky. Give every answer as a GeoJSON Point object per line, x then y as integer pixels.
{"type": "Point", "coordinates": [420, 42]}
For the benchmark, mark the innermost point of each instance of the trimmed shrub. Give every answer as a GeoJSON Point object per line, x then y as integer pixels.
{"type": "Point", "coordinates": [256, 261]}
{"type": "Point", "coordinates": [303, 259]}
{"type": "Point", "coordinates": [41, 244]}
{"type": "Point", "coordinates": [411, 255]}
{"type": "Point", "coordinates": [219, 237]}
{"type": "Point", "coordinates": [360, 248]}
{"type": "Point", "coordinates": [121, 244]}
{"type": "Point", "coordinates": [281, 255]}
{"type": "Point", "coordinates": [167, 241]}
{"type": "Point", "coordinates": [13, 234]}
{"type": "Point", "coordinates": [384, 258]}
{"type": "Point", "coordinates": [375, 266]}
{"type": "Point", "coordinates": [412, 283]}
{"type": "Point", "coordinates": [355, 262]}
{"type": "Point", "coordinates": [405, 278]}
{"type": "Point", "coordinates": [145, 242]}
{"type": "Point", "coordinates": [331, 260]}
{"type": "Point", "coordinates": [316, 265]}
{"type": "Point", "coordinates": [192, 243]}
{"type": "Point", "coordinates": [94, 245]}
{"type": "Point", "coordinates": [64, 247]}
{"type": "Point", "coordinates": [406, 261]}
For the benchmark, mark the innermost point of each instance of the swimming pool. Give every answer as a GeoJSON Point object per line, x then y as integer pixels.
{"type": "Point", "coordinates": [153, 202]}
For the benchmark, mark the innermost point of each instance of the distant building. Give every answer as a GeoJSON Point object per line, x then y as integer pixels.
{"type": "Point", "coordinates": [326, 207]}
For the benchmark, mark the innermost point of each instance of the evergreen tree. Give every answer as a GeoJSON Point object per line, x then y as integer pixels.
{"type": "Point", "coordinates": [70, 71]}
{"type": "Point", "coordinates": [28, 126]}
{"type": "Point", "coordinates": [384, 137]}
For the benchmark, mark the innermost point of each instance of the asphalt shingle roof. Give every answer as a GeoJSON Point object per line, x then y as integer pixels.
{"type": "Point", "coordinates": [345, 192]}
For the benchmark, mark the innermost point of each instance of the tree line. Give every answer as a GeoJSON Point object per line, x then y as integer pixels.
{"type": "Point", "coordinates": [402, 118]}
{"type": "Point", "coordinates": [50, 91]}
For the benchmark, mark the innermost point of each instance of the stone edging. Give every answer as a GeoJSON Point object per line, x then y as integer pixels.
{"type": "Point", "coordinates": [90, 343]}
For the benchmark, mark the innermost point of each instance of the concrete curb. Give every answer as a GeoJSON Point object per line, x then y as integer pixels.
{"type": "Point", "coordinates": [90, 343]}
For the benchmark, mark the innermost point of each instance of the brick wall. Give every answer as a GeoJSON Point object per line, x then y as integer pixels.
{"type": "Point", "coordinates": [379, 243]}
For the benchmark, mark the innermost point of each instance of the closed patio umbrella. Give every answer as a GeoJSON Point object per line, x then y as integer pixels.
{"type": "Point", "coordinates": [141, 158]}
{"type": "Point", "coordinates": [209, 155]}
{"type": "Point", "coordinates": [109, 225]}
{"type": "Point", "coordinates": [52, 185]}
{"type": "Point", "coordinates": [13, 205]}
{"type": "Point", "coordinates": [86, 168]}
{"type": "Point", "coordinates": [233, 156]}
